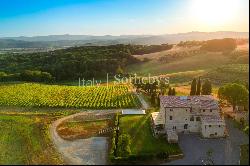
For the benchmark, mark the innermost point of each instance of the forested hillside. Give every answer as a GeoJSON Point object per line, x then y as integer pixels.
{"type": "Point", "coordinates": [72, 63]}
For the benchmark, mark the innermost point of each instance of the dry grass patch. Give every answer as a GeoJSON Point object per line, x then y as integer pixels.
{"type": "Point", "coordinates": [81, 130]}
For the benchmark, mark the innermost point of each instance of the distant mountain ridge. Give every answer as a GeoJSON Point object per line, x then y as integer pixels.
{"type": "Point", "coordinates": [78, 40]}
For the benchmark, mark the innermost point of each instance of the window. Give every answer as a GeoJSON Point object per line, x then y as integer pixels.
{"type": "Point", "coordinates": [170, 118]}
{"type": "Point", "coordinates": [211, 110]}
{"type": "Point", "coordinates": [171, 109]}
{"type": "Point", "coordinates": [198, 119]}
{"type": "Point", "coordinates": [192, 118]}
{"type": "Point", "coordinates": [215, 133]}
{"type": "Point", "coordinates": [204, 110]}
{"type": "Point", "coordinates": [219, 125]}
{"type": "Point", "coordinates": [185, 126]}
{"type": "Point", "coordinates": [210, 126]}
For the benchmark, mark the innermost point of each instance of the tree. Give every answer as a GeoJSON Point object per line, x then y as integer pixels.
{"type": "Point", "coordinates": [173, 92]}
{"type": "Point", "coordinates": [158, 100]}
{"type": "Point", "coordinates": [123, 148]}
{"type": "Point", "coordinates": [193, 88]}
{"type": "Point", "coordinates": [206, 88]}
{"type": "Point", "coordinates": [153, 96]}
{"type": "Point", "coordinates": [235, 94]}
{"type": "Point", "coordinates": [169, 91]}
{"type": "Point", "coordinates": [198, 90]}
{"type": "Point", "coordinates": [36, 76]}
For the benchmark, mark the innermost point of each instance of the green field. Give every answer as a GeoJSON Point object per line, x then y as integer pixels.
{"type": "Point", "coordinates": [143, 141]}
{"type": "Point", "coordinates": [24, 137]}
{"type": "Point", "coordinates": [92, 97]}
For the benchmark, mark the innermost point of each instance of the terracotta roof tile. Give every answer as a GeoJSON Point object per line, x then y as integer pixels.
{"type": "Point", "coordinates": [203, 102]}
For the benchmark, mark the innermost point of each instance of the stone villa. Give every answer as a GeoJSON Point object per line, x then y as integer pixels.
{"type": "Point", "coordinates": [188, 114]}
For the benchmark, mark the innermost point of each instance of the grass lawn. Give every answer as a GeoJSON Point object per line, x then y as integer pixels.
{"type": "Point", "coordinates": [76, 129]}
{"type": "Point", "coordinates": [143, 141]}
{"type": "Point", "coordinates": [25, 138]}
{"type": "Point", "coordinates": [244, 158]}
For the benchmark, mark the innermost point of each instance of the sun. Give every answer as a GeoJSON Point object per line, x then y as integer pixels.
{"type": "Point", "coordinates": [213, 12]}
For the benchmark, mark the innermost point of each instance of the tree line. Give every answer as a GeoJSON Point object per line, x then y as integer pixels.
{"type": "Point", "coordinates": [75, 62]}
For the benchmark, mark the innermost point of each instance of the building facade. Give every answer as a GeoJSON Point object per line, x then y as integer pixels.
{"type": "Point", "coordinates": [189, 114]}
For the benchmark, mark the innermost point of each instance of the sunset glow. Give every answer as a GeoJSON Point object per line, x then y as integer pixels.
{"type": "Point", "coordinates": [214, 12]}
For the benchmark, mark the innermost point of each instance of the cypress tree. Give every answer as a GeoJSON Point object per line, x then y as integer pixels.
{"type": "Point", "coordinates": [198, 90]}
{"type": "Point", "coordinates": [158, 100]}
{"type": "Point", "coordinates": [170, 91]}
{"type": "Point", "coordinates": [193, 88]}
{"type": "Point", "coordinates": [153, 95]}
{"type": "Point", "coordinates": [173, 92]}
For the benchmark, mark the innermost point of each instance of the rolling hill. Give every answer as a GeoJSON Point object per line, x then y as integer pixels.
{"type": "Point", "coordinates": [79, 40]}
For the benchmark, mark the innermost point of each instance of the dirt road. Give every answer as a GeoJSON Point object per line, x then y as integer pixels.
{"type": "Point", "coordinates": [92, 151]}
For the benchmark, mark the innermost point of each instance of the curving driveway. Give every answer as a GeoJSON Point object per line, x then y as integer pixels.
{"type": "Point", "coordinates": [92, 151]}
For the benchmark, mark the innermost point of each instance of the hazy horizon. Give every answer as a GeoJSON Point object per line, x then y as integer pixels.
{"type": "Point", "coordinates": [124, 34]}
{"type": "Point", "coordinates": [121, 17]}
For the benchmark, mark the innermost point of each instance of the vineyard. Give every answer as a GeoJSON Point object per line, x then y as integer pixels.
{"type": "Point", "coordinates": [38, 95]}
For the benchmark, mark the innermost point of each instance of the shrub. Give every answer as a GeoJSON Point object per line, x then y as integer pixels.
{"type": "Point", "coordinates": [36, 76]}
{"type": "Point", "coordinates": [162, 155]}
{"type": "Point", "coordinates": [123, 146]}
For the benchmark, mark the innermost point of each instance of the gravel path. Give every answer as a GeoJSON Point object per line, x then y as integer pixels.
{"type": "Point", "coordinates": [92, 151]}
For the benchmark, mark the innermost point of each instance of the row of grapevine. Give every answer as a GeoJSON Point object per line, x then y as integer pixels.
{"type": "Point", "coordinates": [38, 95]}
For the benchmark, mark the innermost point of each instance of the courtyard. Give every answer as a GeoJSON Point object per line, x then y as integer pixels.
{"type": "Point", "coordinates": [225, 151]}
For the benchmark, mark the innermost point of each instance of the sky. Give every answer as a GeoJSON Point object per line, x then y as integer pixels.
{"type": "Point", "coordinates": [121, 17]}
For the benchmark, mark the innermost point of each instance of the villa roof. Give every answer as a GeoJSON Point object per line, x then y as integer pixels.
{"type": "Point", "coordinates": [203, 102]}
